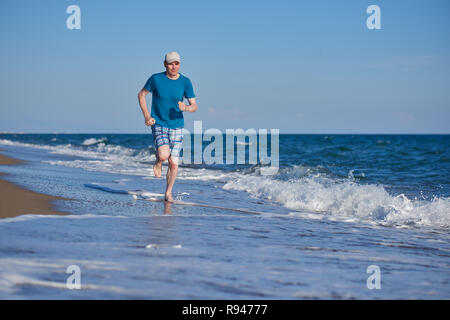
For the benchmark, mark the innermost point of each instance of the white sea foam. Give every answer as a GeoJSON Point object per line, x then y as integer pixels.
{"type": "Point", "coordinates": [127, 186]}
{"type": "Point", "coordinates": [92, 141]}
{"type": "Point", "coordinates": [23, 144]}
{"type": "Point", "coordinates": [158, 246]}
{"type": "Point", "coordinates": [95, 155]}
{"type": "Point", "coordinates": [318, 194]}
{"type": "Point", "coordinates": [96, 148]}
{"type": "Point", "coordinates": [28, 217]}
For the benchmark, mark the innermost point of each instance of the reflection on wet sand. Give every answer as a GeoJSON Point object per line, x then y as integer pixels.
{"type": "Point", "coordinates": [167, 207]}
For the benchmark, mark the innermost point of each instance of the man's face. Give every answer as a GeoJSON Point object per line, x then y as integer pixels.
{"type": "Point", "coordinates": [172, 68]}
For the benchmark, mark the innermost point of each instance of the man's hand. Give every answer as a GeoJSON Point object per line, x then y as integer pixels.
{"type": "Point", "coordinates": [149, 121]}
{"type": "Point", "coordinates": [192, 107]}
{"type": "Point", "coordinates": [182, 106]}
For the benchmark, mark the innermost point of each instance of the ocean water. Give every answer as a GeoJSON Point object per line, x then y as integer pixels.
{"type": "Point", "coordinates": [337, 205]}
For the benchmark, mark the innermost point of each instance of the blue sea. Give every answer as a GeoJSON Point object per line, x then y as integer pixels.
{"type": "Point", "coordinates": [337, 208]}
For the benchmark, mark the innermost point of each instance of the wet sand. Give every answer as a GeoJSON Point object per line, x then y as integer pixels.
{"type": "Point", "coordinates": [15, 200]}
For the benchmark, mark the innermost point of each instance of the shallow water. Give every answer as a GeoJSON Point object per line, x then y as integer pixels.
{"type": "Point", "coordinates": [338, 205]}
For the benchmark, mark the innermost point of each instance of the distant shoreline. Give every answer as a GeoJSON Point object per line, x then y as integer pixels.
{"type": "Point", "coordinates": [15, 200]}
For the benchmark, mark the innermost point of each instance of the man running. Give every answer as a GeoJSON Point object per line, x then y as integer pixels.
{"type": "Point", "coordinates": [166, 119]}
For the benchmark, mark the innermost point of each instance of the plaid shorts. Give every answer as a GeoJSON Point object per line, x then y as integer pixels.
{"type": "Point", "coordinates": [173, 137]}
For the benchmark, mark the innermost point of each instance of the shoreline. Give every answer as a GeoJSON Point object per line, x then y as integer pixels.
{"type": "Point", "coordinates": [16, 201]}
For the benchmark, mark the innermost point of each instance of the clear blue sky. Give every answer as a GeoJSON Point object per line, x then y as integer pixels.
{"type": "Point", "coordinates": [299, 66]}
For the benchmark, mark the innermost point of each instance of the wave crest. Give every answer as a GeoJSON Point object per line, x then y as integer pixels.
{"type": "Point", "coordinates": [310, 190]}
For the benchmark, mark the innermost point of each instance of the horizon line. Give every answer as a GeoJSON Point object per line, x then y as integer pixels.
{"type": "Point", "coordinates": [284, 133]}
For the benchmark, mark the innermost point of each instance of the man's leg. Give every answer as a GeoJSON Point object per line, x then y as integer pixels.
{"type": "Point", "coordinates": [161, 156]}
{"type": "Point", "coordinates": [171, 176]}
{"type": "Point", "coordinates": [176, 140]}
{"type": "Point", "coordinates": [162, 145]}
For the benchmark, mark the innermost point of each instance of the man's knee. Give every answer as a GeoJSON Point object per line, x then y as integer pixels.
{"type": "Point", "coordinates": [163, 154]}
{"type": "Point", "coordinates": [173, 162]}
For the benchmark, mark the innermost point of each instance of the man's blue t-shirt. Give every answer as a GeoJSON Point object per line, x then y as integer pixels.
{"type": "Point", "coordinates": [165, 96]}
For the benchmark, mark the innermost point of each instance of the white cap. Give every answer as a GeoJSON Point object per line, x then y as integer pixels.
{"type": "Point", "coordinates": [172, 56]}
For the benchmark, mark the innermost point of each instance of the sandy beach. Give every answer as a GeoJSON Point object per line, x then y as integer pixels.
{"type": "Point", "coordinates": [15, 200]}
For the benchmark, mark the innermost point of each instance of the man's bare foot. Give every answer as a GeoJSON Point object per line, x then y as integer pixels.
{"type": "Point", "coordinates": [157, 168]}
{"type": "Point", "coordinates": [168, 197]}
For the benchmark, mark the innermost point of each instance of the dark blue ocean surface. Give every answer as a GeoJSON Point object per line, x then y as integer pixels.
{"type": "Point", "coordinates": [336, 205]}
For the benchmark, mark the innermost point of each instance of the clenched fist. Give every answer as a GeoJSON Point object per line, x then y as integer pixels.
{"type": "Point", "coordinates": [149, 121]}
{"type": "Point", "coordinates": [182, 106]}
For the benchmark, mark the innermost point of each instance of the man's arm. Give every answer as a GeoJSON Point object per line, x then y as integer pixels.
{"type": "Point", "coordinates": [192, 107]}
{"type": "Point", "coordinates": [143, 104]}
